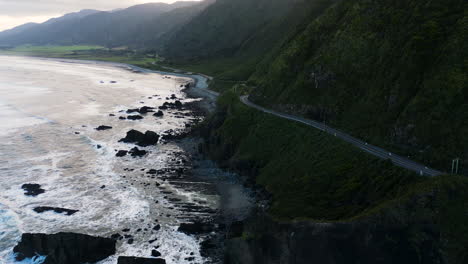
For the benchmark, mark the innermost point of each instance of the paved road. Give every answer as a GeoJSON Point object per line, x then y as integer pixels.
{"type": "Point", "coordinates": [376, 151]}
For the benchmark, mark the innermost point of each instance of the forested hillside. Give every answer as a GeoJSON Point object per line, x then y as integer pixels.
{"type": "Point", "coordinates": [230, 37]}
{"type": "Point", "coordinates": [391, 72]}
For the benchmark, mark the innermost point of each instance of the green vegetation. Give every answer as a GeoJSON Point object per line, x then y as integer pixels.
{"type": "Point", "coordinates": [52, 50]}
{"type": "Point", "coordinates": [391, 72]}
{"type": "Point", "coordinates": [311, 175]}
{"type": "Point", "coordinates": [229, 45]}
{"type": "Point", "coordinates": [122, 55]}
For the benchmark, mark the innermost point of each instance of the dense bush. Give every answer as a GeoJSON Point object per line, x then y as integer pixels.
{"type": "Point", "coordinates": [390, 71]}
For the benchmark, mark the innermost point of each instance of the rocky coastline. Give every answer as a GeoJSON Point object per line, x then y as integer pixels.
{"type": "Point", "coordinates": [186, 171]}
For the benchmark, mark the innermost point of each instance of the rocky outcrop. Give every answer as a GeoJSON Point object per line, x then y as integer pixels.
{"type": "Point", "coordinates": [121, 153]}
{"type": "Point", "coordinates": [158, 114]}
{"type": "Point", "coordinates": [136, 152]}
{"type": "Point", "coordinates": [32, 189]}
{"type": "Point", "coordinates": [196, 228]}
{"type": "Point", "coordinates": [176, 105]}
{"type": "Point", "coordinates": [69, 248]}
{"type": "Point", "coordinates": [134, 117]}
{"type": "Point", "coordinates": [142, 110]}
{"type": "Point", "coordinates": [368, 242]}
{"type": "Point", "coordinates": [42, 209]}
{"type": "Point", "coordinates": [175, 135]}
{"type": "Point", "coordinates": [102, 128]}
{"type": "Point", "coordinates": [143, 140]}
{"type": "Point", "coordinates": [135, 260]}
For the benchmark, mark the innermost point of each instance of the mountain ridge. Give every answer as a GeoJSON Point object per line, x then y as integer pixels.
{"type": "Point", "coordinates": [115, 28]}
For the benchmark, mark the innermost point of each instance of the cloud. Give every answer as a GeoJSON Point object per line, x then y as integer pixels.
{"type": "Point", "coordinates": [14, 8]}
{"type": "Point", "coordinates": [7, 22]}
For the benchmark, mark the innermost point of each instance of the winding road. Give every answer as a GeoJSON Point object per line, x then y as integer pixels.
{"type": "Point", "coordinates": [376, 151]}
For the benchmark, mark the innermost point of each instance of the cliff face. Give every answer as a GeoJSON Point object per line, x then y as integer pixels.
{"type": "Point", "coordinates": [334, 243]}
{"type": "Point", "coordinates": [390, 72]}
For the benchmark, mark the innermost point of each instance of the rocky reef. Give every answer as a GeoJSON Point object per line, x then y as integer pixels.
{"type": "Point", "coordinates": [60, 248]}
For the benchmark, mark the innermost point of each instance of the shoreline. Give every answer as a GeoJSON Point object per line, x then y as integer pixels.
{"type": "Point", "coordinates": [200, 80]}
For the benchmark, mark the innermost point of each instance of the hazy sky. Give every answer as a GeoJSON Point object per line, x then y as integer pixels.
{"type": "Point", "coordinates": [17, 12]}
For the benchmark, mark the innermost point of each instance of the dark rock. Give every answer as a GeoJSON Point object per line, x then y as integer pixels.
{"type": "Point", "coordinates": [135, 260]}
{"type": "Point", "coordinates": [130, 241]}
{"type": "Point", "coordinates": [174, 135]}
{"type": "Point", "coordinates": [140, 139]}
{"type": "Point", "coordinates": [121, 153]}
{"type": "Point", "coordinates": [176, 105]}
{"type": "Point", "coordinates": [133, 136]}
{"type": "Point", "coordinates": [206, 247]}
{"type": "Point", "coordinates": [32, 189]}
{"type": "Point", "coordinates": [146, 109]}
{"type": "Point", "coordinates": [134, 117]}
{"type": "Point", "coordinates": [58, 210]}
{"type": "Point", "coordinates": [126, 230]}
{"type": "Point", "coordinates": [63, 248]}
{"type": "Point", "coordinates": [373, 241]}
{"type": "Point", "coordinates": [152, 171]}
{"type": "Point", "coordinates": [158, 114]}
{"type": "Point", "coordinates": [195, 228]}
{"type": "Point", "coordinates": [151, 138]}
{"type": "Point", "coordinates": [101, 128]}
{"type": "Point", "coordinates": [111, 115]}
{"type": "Point", "coordinates": [157, 227]}
{"type": "Point", "coordinates": [134, 110]}
{"type": "Point", "coordinates": [102, 187]}
{"type": "Point", "coordinates": [116, 236]}
{"type": "Point", "coordinates": [98, 146]}
{"type": "Point", "coordinates": [155, 253]}
{"type": "Point", "coordinates": [136, 152]}
{"type": "Point", "coordinates": [122, 118]}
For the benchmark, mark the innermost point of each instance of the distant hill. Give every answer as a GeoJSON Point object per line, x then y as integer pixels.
{"type": "Point", "coordinates": [132, 26]}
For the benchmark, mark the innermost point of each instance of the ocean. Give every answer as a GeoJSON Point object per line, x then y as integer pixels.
{"type": "Point", "coordinates": [49, 112]}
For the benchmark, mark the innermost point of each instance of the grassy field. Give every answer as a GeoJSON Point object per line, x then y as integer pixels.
{"type": "Point", "coordinates": [53, 49]}
{"type": "Point", "coordinates": [99, 53]}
